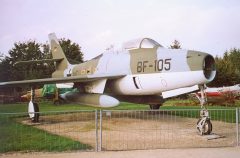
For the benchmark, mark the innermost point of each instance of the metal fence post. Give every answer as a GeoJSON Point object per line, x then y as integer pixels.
{"type": "Point", "coordinates": [100, 143]}
{"type": "Point", "coordinates": [237, 124]}
{"type": "Point", "coordinates": [96, 127]}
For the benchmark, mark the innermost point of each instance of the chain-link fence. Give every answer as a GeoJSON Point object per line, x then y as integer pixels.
{"type": "Point", "coordinates": [116, 130]}
{"type": "Point", "coordinates": [127, 130]}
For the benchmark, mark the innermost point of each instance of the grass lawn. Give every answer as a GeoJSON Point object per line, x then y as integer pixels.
{"type": "Point", "coordinates": [216, 112]}
{"type": "Point", "coordinates": [48, 106]}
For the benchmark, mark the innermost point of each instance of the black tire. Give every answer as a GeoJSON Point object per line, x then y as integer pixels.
{"type": "Point", "coordinates": [207, 127]}
{"type": "Point", "coordinates": [56, 102]}
{"type": "Point", "coordinates": [36, 114]}
{"type": "Point", "coordinates": [154, 106]}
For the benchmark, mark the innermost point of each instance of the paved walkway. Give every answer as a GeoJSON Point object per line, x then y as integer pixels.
{"type": "Point", "coordinates": [233, 152]}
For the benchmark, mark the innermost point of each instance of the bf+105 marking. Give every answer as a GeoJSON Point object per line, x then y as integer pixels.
{"type": "Point", "coordinates": [158, 65]}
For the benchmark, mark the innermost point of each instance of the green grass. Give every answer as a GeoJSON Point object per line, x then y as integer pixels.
{"type": "Point", "coordinates": [216, 112]}
{"type": "Point", "coordinates": [48, 106]}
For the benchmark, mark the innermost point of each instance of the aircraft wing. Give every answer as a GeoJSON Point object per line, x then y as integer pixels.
{"type": "Point", "coordinates": [81, 78]}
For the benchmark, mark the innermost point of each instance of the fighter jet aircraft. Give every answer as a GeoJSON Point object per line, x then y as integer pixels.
{"type": "Point", "coordinates": [142, 72]}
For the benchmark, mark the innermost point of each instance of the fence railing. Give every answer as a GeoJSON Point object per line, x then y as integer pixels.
{"type": "Point", "coordinates": [94, 130]}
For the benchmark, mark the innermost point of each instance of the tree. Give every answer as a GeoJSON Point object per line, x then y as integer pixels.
{"type": "Point", "coordinates": [5, 70]}
{"type": "Point", "coordinates": [24, 51]}
{"type": "Point", "coordinates": [1, 55]}
{"type": "Point", "coordinates": [49, 67]}
{"type": "Point", "coordinates": [31, 50]}
{"type": "Point", "coordinates": [228, 69]}
{"type": "Point", "coordinates": [234, 57]}
{"type": "Point", "coordinates": [175, 45]}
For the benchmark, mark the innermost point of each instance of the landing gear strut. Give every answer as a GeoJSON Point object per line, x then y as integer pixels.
{"type": "Point", "coordinates": [204, 125]}
{"type": "Point", "coordinates": [33, 109]}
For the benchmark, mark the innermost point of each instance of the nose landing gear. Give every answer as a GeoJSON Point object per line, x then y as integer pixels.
{"type": "Point", "coordinates": [204, 125]}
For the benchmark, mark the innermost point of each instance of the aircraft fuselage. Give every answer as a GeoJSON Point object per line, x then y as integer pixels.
{"type": "Point", "coordinates": [149, 71]}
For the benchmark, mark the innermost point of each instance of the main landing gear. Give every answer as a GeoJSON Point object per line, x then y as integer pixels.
{"type": "Point", "coordinates": [204, 125]}
{"type": "Point", "coordinates": [33, 109]}
{"type": "Point", "coordinates": [154, 106]}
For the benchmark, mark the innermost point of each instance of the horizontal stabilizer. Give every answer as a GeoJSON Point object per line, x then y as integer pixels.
{"type": "Point", "coordinates": [38, 61]}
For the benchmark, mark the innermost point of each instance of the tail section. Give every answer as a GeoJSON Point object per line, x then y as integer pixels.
{"type": "Point", "coordinates": [58, 54]}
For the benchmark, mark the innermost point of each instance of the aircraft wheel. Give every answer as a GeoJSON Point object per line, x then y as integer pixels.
{"type": "Point", "coordinates": [56, 102]}
{"type": "Point", "coordinates": [154, 106]}
{"type": "Point", "coordinates": [207, 127]}
{"type": "Point", "coordinates": [36, 114]}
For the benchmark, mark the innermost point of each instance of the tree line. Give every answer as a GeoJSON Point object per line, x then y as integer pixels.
{"type": "Point", "coordinates": [31, 50]}
{"type": "Point", "coordinates": [228, 69]}
{"type": "Point", "coordinates": [228, 66]}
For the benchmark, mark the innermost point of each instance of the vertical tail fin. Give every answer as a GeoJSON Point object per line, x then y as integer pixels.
{"type": "Point", "coordinates": [58, 53]}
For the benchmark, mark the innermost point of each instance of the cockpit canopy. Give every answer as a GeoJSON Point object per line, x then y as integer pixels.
{"type": "Point", "coordinates": [141, 43]}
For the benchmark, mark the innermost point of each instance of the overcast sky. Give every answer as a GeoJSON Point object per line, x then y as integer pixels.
{"type": "Point", "coordinates": [211, 26]}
